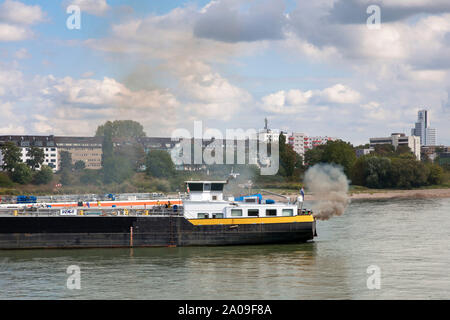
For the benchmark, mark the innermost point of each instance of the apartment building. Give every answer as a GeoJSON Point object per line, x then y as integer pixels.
{"type": "Point", "coordinates": [86, 149]}
{"type": "Point", "coordinates": [25, 142]}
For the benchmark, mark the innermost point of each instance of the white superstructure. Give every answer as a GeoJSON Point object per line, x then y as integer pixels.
{"type": "Point", "coordinates": [206, 201]}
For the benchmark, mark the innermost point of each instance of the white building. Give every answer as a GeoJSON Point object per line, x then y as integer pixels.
{"type": "Point", "coordinates": [312, 142]}
{"type": "Point", "coordinates": [297, 141]}
{"type": "Point", "coordinates": [399, 139]}
{"type": "Point", "coordinates": [46, 143]}
{"type": "Point", "coordinates": [268, 135]}
{"type": "Point", "coordinates": [363, 152]}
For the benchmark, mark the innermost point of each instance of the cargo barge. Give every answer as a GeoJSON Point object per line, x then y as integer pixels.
{"type": "Point", "coordinates": [204, 219]}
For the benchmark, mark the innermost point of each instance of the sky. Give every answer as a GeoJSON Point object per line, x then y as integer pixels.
{"type": "Point", "coordinates": [314, 67]}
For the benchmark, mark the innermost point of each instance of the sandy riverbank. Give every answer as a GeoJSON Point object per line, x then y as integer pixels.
{"type": "Point", "coordinates": [417, 194]}
{"type": "Point", "coordinates": [388, 194]}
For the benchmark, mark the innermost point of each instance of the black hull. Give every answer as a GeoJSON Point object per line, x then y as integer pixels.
{"type": "Point", "coordinates": [110, 232]}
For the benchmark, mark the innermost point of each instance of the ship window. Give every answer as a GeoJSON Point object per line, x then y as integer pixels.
{"type": "Point", "coordinates": [287, 212]}
{"type": "Point", "coordinates": [253, 212]}
{"type": "Point", "coordinates": [271, 212]}
{"type": "Point", "coordinates": [207, 187]}
{"type": "Point", "coordinates": [218, 215]}
{"type": "Point", "coordinates": [236, 212]}
{"type": "Point", "coordinates": [195, 186]}
{"type": "Point", "coordinates": [203, 216]}
{"type": "Point", "coordinates": [217, 187]}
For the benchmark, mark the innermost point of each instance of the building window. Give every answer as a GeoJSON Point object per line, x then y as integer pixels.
{"type": "Point", "coordinates": [271, 212]}
{"type": "Point", "coordinates": [236, 212]}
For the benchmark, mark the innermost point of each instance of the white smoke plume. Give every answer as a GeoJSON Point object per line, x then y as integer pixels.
{"type": "Point", "coordinates": [329, 185]}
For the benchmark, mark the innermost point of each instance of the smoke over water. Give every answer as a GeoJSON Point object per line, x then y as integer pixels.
{"type": "Point", "coordinates": [329, 186]}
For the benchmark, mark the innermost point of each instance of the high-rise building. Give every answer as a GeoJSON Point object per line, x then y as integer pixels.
{"type": "Point", "coordinates": [427, 135]}
{"type": "Point", "coordinates": [297, 141]}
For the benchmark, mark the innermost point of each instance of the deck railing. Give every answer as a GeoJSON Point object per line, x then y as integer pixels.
{"type": "Point", "coordinates": [67, 212]}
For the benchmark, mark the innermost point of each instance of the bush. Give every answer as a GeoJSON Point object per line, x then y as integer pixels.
{"type": "Point", "coordinates": [5, 181]}
{"type": "Point", "coordinates": [43, 176]}
{"type": "Point", "coordinates": [22, 174]}
{"type": "Point", "coordinates": [90, 176]}
{"type": "Point", "coordinates": [436, 175]}
{"type": "Point", "coordinates": [79, 165]}
{"type": "Point", "coordinates": [159, 164]}
{"type": "Point", "coordinates": [117, 169]}
{"type": "Point", "coordinates": [162, 185]}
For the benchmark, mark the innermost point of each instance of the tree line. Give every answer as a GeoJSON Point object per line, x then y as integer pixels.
{"type": "Point", "coordinates": [385, 167]}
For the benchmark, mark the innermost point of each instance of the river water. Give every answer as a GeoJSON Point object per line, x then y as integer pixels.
{"type": "Point", "coordinates": [407, 241]}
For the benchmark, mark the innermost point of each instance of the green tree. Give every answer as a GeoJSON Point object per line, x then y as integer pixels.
{"type": "Point", "coordinates": [436, 175]}
{"type": "Point", "coordinates": [314, 156]}
{"type": "Point", "coordinates": [66, 178]}
{"type": "Point", "coordinates": [79, 165]}
{"type": "Point", "coordinates": [340, 153]}
{"type": "Point", "coordinates": [288, 157]}
{"type": "Point", "coordinates": [22, 174]}
{"type": "Point", "coordinates": [5, 181]}
{"type": "Point", "coordinates": [36, 156]}
{"type": "Point", "coordinates": [66, 161]}
{"type": "Point", "coordinates": [384, 150]}
{"type": "Point", "coordinates": [403, 149]}
{"type": "Point", "coordinates": [358, 175]}
{"type": "Point", "coordinates": [121, 129]}
{"type": "Point", "coordinates": [116, 169]}
{"type": "Point", "coordinates": [90, 176]}
{"type": "Point", "coordinates": [43, 176]}
{"type": "Point", "coordinates": [408, 173]}
{"type": "Point", "coordinates": [377, 172]}
{"type": "Point", "coordinates": [159, 164]}
{"type": "Point", "coordinates": [12, 156]}
{"type": "Point", "coordinates": [134, 152]}
{"type": "Point", "coordinates": [107, 145]}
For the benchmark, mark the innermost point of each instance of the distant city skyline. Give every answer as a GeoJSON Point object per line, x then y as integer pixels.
{"type": "Point", "coordinates": [305, 65]}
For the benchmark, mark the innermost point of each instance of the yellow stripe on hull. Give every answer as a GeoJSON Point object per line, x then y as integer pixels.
{"type": "Point", "coordinates": [203, 222]}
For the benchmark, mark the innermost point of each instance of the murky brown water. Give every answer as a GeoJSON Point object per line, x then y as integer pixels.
{"type": "Point", "coordinates": [409, 240]}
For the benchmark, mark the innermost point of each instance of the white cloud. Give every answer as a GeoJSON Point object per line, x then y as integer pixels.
{"type": "Point", "coordinates": [297, 101]}
{"type": "Point", "coordinates": [95, 7]}
{"type": "Point", "coordinates": [16, 12]}
{"type": "Point", "coordinates": [340, 93]}
{"type": "Point", "coordinates": [13, 33]}
{"type": "Point", "coordinates": [16, 19]}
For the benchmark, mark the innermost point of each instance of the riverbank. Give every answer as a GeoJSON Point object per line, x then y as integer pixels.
{"type": "Point", "coordinates": [411, 194]}
{"type": "Point", "coordinates": [381, 194]}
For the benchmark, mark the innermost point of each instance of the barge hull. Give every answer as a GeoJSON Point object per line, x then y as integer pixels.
{"type": "Point", "coordinates": [111, 232]}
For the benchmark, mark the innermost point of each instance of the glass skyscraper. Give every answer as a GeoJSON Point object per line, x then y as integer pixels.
{"type": "Point", "coordinates": [427, 135]}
